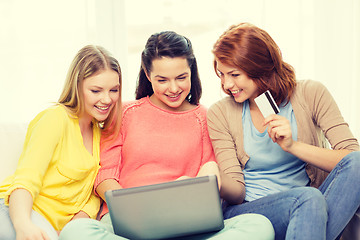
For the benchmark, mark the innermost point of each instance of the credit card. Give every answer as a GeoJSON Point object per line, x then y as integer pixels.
{"type": "Point", "coordinates": [266, 104]}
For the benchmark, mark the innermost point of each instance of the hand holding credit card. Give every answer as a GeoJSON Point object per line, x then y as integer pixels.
{"type": "Point", "coordinates": [266, 104]}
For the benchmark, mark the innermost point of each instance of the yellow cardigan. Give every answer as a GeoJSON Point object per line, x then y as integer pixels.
{"type": "Point", "coordinates": [56, 168]}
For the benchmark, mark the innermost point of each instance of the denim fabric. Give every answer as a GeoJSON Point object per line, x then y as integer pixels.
{"type": "Point", "coordinates": [7, 231]}
{"type": "Point", "coordinates": [342, 193]}
{"type": "Point", "coordinates": [290, 212]}
{"type": "Point", "coordinates": [309, 213]}
{"type": "Point", "coordinates": [245, 227]}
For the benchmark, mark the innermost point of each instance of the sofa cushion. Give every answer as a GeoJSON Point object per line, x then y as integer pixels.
{"type": "Point", "coordinates": [12, 136]}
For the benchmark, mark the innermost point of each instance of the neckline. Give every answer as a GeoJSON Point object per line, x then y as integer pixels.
{"type": "Point", "coordinates": [147, 99]}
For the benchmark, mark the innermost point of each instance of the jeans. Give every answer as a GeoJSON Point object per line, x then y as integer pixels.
{"type": "Point", "coordinates": [7, 231]}
{"type": "Point", "coordinates": [309, 213]}
{"type": "Point", "coordinates": [244, 227]}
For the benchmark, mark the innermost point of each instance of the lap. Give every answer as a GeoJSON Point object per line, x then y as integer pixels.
{"type": "Point", "coordinates": [7, 231]}
{"type": "Point", "coordinates": [247, 226]}
{"type": "Point", "coordinates": [276, 204]}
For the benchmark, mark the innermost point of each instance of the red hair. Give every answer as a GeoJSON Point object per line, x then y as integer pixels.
{"type": "Point", "coordinates": [251, 49]}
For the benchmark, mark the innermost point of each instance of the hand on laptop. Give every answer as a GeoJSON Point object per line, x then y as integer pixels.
{"type": "Point", "coordinates": [182, 178]}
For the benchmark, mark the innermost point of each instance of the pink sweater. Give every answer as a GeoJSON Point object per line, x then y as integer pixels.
{"type": "Point", "coordinates": [156, 145]}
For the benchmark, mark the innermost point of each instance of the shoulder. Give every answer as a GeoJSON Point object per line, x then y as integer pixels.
{"type": "Point", "coordinates": [201, 109]}
{"type": "Point", "coordinates": [225, 104]}
{"type": "Point", "coordinates": [131, 105]}
{"type": "Point", "coordinates": [54, 114]}
{"type": "Point", "coordinates": [50, 121]}
{"type": "Point", "coordinates": [132, 109]}
{"type": "Point", "coordinates": [309, 88]}
{"type": "Point", "coordinates": [225, 107]}
{"type": "Point", "coordinates": [310, 94]}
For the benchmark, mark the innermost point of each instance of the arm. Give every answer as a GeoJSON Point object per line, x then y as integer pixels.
{"type": "Point", "coordinates": [20, 207]}
{"type": "Point", "coordinates": [209, 165]}
{"type": "Point", "coordinates": [231, 190]}
{"type": "Point", "coordinates": [326, 115]}
{"type": "Point", "coordinates": [108, 184]}
{"type": "Point", "coordinates": [40, 143]}
{"type": "Point", "coordinates": [32, 166]}
{"type": "Point", "coordinates": [110, 161]}
{"type": "Point", "coordinates": [232, 180]}
{"type": "Point", "coordinates": [210, 168]}
{"type": "Point", "coordinates": [280, 132]}
{"type": "Point", "coordinates": [90, 209]}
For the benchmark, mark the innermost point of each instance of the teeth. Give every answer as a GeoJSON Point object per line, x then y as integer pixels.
{"type": "Point", "coordinates": [235, 92]}
{"type": "Point", "coordinates": [174, 96]}
{"type": "Point", "coordinates": [103, 108]}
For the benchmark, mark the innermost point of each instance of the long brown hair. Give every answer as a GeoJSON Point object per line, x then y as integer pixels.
{"type": "Point", "coordinates": [251, 49]}
{"type": "Point", "coordinates": [88, 61]}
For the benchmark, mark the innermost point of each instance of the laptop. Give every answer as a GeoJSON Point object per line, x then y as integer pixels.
{"type": "Point", "coordinates": [166, 210]}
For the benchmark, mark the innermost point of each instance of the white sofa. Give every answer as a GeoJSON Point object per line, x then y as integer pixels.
{"type": "Point", "coordinates": [12, 137]}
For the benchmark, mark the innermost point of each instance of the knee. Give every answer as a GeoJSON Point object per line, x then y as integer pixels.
{"type": "Point", "coordinates": [350, 165]}
{"type": "Point", "coordinates": [353, 160]}
{"type": "Point", "coordinates": [265, 225]}
{"type": "Point", "coordinates": [314, 200]}
{"type": "Point", "coordinates": [257, 225]}
{"type": "Point", "coordinates": [312, 194]}
{"type": "Point", "coordinates": [78, 229]}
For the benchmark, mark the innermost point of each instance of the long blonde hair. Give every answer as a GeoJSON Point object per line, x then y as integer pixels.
{"type": "Point", "coordinates": [87, 62]}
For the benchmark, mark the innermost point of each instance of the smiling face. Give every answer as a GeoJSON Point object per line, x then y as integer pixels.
{"type": "Point", "coordinates": [236, 82]}
{"type": "Point", "coordinates": [171, 82]}
{"type": "Point", "coordinates": [100, 94]}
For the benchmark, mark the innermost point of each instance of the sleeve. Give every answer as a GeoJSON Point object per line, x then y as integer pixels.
{"type": "Point", "coordinates": [326, 114]}
{"type": "Point", "coordinates": [111, 148]}
{"type": "Point", "coordinates": [92, 206]}
{"type": "Point", "coordinates": [110, 160]}
{"type": "Point", "coordinates": [43, 136]}
{"type": "Point", "coordinates": [223, 143]}
{"type": "Point", "coordinates": [208, 152]}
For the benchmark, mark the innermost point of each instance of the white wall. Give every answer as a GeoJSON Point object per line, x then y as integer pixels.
{"type": "Point", "coordinates": [39, 38]}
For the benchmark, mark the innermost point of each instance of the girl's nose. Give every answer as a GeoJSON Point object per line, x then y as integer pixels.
{"type": "Point", "coordinates": [106, 99]}
{"type": "Point", "coordinates": [227, 82]}
{"type": "Point", "coordinates": [173, 87]}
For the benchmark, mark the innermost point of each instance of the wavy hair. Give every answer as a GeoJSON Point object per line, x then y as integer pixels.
{"type": "Point", "coordinates": [168, 44]}
{"type": "Point", "coordinates": [251, 49]}
{"type": "Point", "coordinates": [89, 61]}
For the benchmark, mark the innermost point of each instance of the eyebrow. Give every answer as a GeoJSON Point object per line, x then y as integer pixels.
{"type": "Point", "coordinates": [96, 86]}
{"type": "Point", "coordinates": [183, 74]}
{"type": "Point", "coordinates": [230, 72]}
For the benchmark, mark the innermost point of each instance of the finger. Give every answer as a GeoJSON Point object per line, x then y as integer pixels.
{"type": "Point", "coordinates": [271, 134]}
{"type": "Point", "coordinates": [278, 133]}
{"type": "Point", "coordinates": [282, 131]}
{"type": "Point", "coordinates": [269, 118]}
{"type": "Point", "coordinates": [45, 236]}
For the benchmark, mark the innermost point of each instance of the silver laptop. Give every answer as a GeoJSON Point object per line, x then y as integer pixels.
{"type": "Point", "coordinates": [166, 210]}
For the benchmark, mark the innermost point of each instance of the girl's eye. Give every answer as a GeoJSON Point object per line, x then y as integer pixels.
{"type": "Point", "coordinates": [95, 91]}
{"type": "Point", "coordinates": [235, 75]}
{"type": "Point", "coordinates": [114, 90]}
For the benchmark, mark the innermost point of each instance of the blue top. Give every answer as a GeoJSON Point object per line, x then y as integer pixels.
{"type": "Point", "coordinates": [270, 169]}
